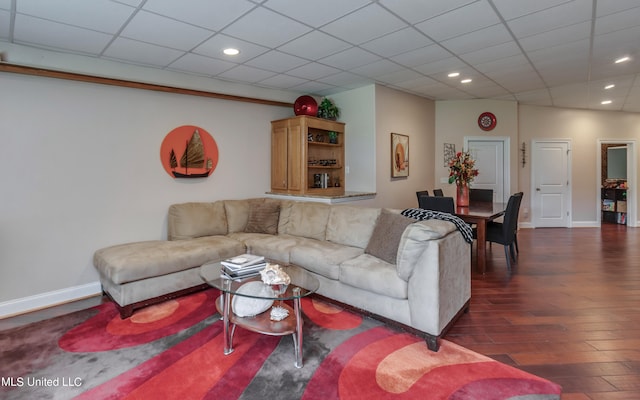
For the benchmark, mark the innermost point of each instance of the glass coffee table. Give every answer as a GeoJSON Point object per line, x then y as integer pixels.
{"type": "Point", "coordinates": [302, 284]}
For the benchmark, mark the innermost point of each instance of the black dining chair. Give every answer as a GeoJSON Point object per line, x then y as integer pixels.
{"type": "Point", "coordinates": [422, 193]}
{"type": "Point", "coordinates": [438, 192]}
{"type": "Point", "coordinates": [485, 195]}
{"type": "Point", "coordinates": [443, 204]}
{"type": "Point", "coordinates": [504, 233]}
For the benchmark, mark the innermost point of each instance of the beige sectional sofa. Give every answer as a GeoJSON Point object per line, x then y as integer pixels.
{"type": "Point", "coordinates": [412, 274]}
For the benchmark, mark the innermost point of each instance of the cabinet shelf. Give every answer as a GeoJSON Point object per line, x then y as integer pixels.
{"type": "Point", "coordinates": [297, 141]}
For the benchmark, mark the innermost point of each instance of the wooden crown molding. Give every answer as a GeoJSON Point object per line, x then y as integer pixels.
{"type": "Point", "coordinates": [72, 76]}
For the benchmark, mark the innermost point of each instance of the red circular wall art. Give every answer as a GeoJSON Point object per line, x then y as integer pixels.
{"type": "Point", "coordinates": [189, 152]}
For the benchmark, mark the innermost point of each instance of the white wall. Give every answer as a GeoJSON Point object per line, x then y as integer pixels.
{"type": "Point", "coordinates": [82, 171]}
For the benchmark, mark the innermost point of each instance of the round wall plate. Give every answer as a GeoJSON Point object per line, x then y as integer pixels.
{"type": "Point", "coordinates": [487, 121]}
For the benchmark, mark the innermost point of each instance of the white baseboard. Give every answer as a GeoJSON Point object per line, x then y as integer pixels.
{"type": "Point", "coordinates": [49, 299]}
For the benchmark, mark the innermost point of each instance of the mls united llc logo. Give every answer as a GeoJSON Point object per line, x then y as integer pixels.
{"type": "Point", "coordinates": [31, 381]}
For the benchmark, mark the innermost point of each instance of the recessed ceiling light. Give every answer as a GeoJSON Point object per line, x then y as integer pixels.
{"type": "Point", "coordinates": [606, 102]}
{"type": "Point", "coordinates": [454, 74]}
{"type": "Point", "coordinates": [231, 51]}
{"type": "Point", "coordinates": [466, 80]}
{"type": "Point", "coordinates": [621, 60]}
{"type": "Point", "coordinates": [610, 86]}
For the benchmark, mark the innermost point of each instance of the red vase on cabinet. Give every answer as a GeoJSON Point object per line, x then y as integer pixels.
{"type": "Point", "coordinates": [462, 195]}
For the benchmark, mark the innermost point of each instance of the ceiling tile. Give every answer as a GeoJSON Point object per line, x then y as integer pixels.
{"type": "Point", "coordinates": [282, 81]}
{"type": "Point", "coordinates": [32, 30]}
{"type": "Point", "coordinates": [556, 37]}
{"type": "Point", "coordinates": [510, 9]}
{"type": "Point", "coordinates": [422, 56]}
{"type": "Point", "coordinates": [276, 61]}
{"type": "Point", "coordinates": [314, 45]}
{"type": "Point", "coordinates": [152, 28]}
{"type": "Point", "coordinates": [143, 53]}
{"type": "Point", "coordinates": [377, 68]}
{"type": "Point", "coordinates": [315, 87]}
{"type": "Point", "coordinates": [460, 21]}
{"type": "Point", "coordinates": [266, 28]}
{"type": "Point", "coordinates": [214, 46]}
{"type": "Point", "coordinates": [402, 75]}
{"type": "Point", "coordinates": [201, 65]}
{"type": "Point", "coordinates": [350, 58]}
{"type": "Point", "coordinates": [606, 7]}
{"type": "Point", "coordinates": [398, 42]}
{"type": "Point", "coordinates": [243, 73]}
{"type": "Point", "coordinates": [444, 65]}
{"type": "Point", "coordinates": [618, 21]}
{"type": "Point", "coordinates": [372, 22]}
{"type": "Point", "coordinates": [491, 53]}
{"type": "Point", "coordinates": [316, 14]}
{"type": "Point", "coordinates": [346, 79]}
{"type": "Point", "coordinates": [5, 24]}
{"type": "Point", "coordinates": [313, 71]}
{"type": "Point", "coordinates": [5, 4]}
{"type": "Point", "coordinates": [203, 13]}
{"type": "Point", "coordinates": [415, 11]}
{"type": "Point", "coordinates": [99, 15]}
{"type": "Point", "coordinates": [568, 13]}
{"type": "Point", "coordinates": [486, 37]}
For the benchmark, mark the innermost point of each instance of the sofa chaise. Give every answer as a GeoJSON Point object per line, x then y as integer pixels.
{"type": "Point", "coordinates": [414, 274]}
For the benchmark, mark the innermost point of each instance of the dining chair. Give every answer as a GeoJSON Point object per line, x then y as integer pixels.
{"type": "Point", "coordinates": [438, 192]}
{"type": "Point", "coordinates": [443, 204]}
{"type": "Point", "coordinates": [485, 195]}
{"type": "Point", "coordinates": [504, 233]}
{"type": "Point", "coordinates": [422, 193]}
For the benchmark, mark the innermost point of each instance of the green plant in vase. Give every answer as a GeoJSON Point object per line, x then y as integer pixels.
{"type": "Point", "coordinates": [333, 137]}
{"type": "Point", "coordinates": [328, 110]}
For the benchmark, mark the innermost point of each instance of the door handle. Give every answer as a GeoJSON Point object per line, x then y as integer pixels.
{"type": "Point", "coordinates": [537, 189]}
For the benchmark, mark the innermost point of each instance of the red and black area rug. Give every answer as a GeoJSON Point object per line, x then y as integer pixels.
{"type": "Point", "coordinates": [174, 351]}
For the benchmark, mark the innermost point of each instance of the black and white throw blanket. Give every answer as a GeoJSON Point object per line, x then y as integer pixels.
{"type": "Point", "coordinates": [422, 214]}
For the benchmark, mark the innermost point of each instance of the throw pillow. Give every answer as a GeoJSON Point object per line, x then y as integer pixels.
{"type": "Point", "coordinates": [386, 236]}
{"type": "Point", "coordinates": [263, 218]}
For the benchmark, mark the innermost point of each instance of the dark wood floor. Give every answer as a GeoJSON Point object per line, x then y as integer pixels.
{"type": "Point", "coordinates": [569, 311]}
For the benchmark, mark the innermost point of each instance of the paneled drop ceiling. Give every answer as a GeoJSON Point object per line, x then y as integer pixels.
{"type": "Point", "coordinates": [543, 52]}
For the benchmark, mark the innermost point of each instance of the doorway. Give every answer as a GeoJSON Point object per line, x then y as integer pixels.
{"type": "Point", "coordinates": [492, 159]}
{"type": "Point", "coordinates": [616, 200]}
{"type": "Point", "coordinates": [551, 183]}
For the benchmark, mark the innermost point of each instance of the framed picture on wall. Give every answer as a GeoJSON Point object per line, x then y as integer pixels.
{"type": "Point", "coordinates": [399, 155]}
{"type": "Point", "coordinates": [449, 153]}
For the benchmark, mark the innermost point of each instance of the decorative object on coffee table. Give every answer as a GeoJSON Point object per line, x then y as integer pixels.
{"type": "Point", "coordinates": [278, 281]}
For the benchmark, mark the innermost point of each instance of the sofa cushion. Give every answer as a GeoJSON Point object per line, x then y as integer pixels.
{"type": "Point", "coordinates": [263, 217]}
{"type": "Point", "coordinates": [351, 226]}
{"type": "Point", "coordinates": [192, 220]}
{"type": "Point", "coordinates": [139, 260]}
{"type": "Point", "coordinates": [416, 240]}
{"type": "Point", "coordinates": [322, 257]}
{"type": "Point", "coordinates": [371, 273]}
{"type": "Point", "coordinates": [273, 247]}
{"type": "Point", "coordinates": [386, 236]}
{"type": "Point", "coordinates": [309, 220]}
{"type": "Point", "coordinates": [237, 212]}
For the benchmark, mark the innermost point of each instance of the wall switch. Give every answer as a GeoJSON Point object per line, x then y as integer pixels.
{"type": "Point", "coordinates": [346, 169]}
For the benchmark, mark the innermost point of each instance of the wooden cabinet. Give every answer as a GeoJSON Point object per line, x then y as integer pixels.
{"type": "Point", "coordinates": [614, 205]}
{"type": "Point", "coordinates": [307, 156]}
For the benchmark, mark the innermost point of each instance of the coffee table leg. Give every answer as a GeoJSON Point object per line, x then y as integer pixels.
{"type": "Point", "coordinates": [297, 344]}
{"type": "Point", "coordinates": [228, 334]}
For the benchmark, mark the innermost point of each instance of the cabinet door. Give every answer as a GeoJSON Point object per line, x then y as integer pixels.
{"type": "Point", "coordinates": [297, 158]}
{"type": "Point", "coordinates": [279, 156]}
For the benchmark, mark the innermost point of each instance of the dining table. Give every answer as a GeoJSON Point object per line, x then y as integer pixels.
{"type": "Point", "coordinates": [481, 213]}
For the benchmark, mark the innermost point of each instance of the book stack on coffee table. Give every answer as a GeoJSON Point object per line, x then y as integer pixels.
{"type": "Point", "coordinates": [243, 266]}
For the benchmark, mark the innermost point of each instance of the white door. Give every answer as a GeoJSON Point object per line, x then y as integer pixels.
{"type": "Point", "coordinates": [551, 187]}
{"type": "Point", "coordinates": [490, 162]}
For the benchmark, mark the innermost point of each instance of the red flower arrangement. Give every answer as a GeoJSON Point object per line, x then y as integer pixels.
{"type": "Point", "coordinates": [461, 169]}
